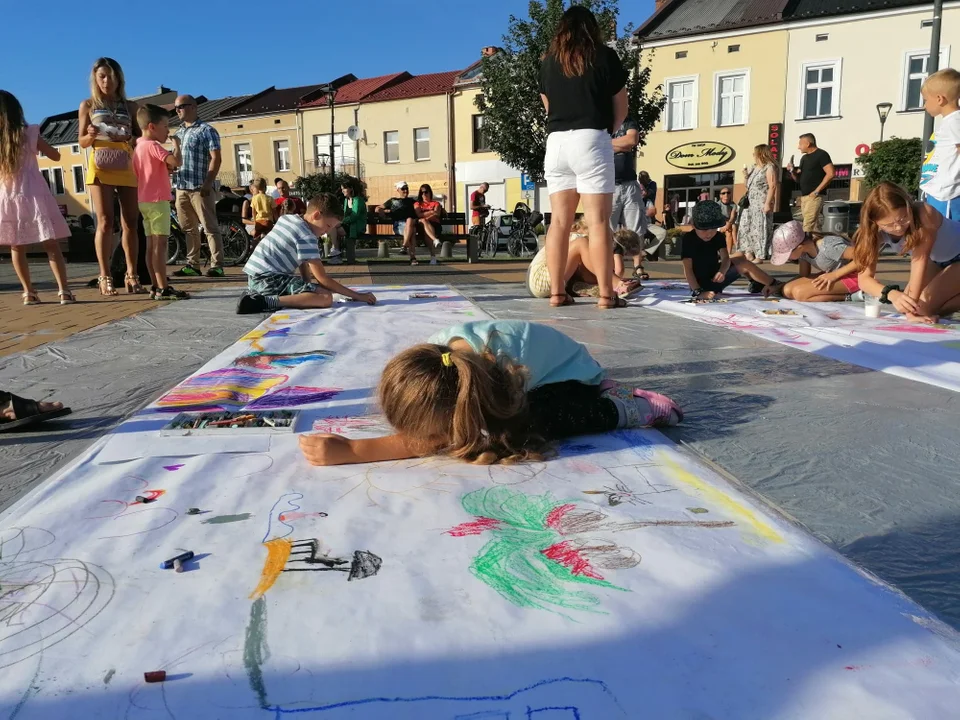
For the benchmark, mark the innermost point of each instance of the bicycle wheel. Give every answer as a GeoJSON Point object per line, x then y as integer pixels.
{"type": "Point", "coordinates": [530, 243]}
{"type": "Point", "coordinates": [515, 244]}
{"type": "Point", "coordinates": [236, 242]}
{"type": "Point", "coordinates": [176, 246]}
{"type": "Point", "coordinates": [492, 240]}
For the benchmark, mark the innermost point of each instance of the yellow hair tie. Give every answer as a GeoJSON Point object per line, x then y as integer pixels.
{"type": "Point", "coordinates": [445, 359]}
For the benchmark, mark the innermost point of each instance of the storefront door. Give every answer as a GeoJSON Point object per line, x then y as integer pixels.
{"type": "Point", "coordinates": [687, 189]}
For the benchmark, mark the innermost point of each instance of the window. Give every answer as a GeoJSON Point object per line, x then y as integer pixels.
{"type": "Point", "coordinates": [74, 149]}
{"type": "Point", "coordinates": [733, 48]}
{"type": "Point", "coordinates": [823, 37]}
{"type": "Point", "coordinates": [731, 98]}
{"type": "Point", "coordinates": [682, 104]}
{"type": "Point", "coordinates": [56, 181]}
{"type": "Point", "coordinates": [46, 177]}
{"type": "Point", "coordinates": [820, 96]}
{"type": "Point", "coordinates": [281, 155]}
{"type": "Point", "coordinates": [421, 144]}
{"type": "Point", "coordinates": [344, 150]}
{"type": "Point", "coordinates": [681, 54]}
{"type": "Point", "coordinates": [926, 23]}
{"type": "Point", "coordinates": [915, 71]}
{"type": "Point", "coordinates": [78, 181]}
{"type": "Point", "coordinates": [276, 122]}
{"type": "Point", "coordinates": [391, 146]}
{"type": "Point", "coordinates": [481, 143]}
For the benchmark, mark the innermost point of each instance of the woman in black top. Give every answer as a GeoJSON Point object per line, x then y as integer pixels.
{"type": "Point", "coordinates": [583, 88]}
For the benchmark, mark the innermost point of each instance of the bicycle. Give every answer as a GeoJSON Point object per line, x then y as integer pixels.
{"type": "Point", "coordinates": [520, 241]}
{"type": "Point", "coordinates": [237, 244]}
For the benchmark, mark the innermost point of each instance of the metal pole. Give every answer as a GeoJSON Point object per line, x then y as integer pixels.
{"type": "Point", "coordinates": [933, 64]}
{"type": "Point", "coordinates": [356, 145]}
{"type": "Point", "coordinates": [881, 130]}
{"type": "Point", "coordinates": [333, 170]}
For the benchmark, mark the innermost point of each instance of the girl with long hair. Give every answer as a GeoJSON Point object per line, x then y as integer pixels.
{"type": "Point", "coordinates": [755, 230]}
{"type": "Point", "coordinates": [494, 391]}
{"type": "Point", "coordinates": [108, 128]}
{"type": "Point", "coordinates": [28, 211]}
{"type": "Point", "coordinates": [583, 89]}
{"type": "Point", "coordinates": [891, 217]}
{"type": "Point", "coordinates": [429, 212]}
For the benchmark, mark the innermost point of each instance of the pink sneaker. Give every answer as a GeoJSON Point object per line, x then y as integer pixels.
{"type": "Point", "coordinates": [663, 409]}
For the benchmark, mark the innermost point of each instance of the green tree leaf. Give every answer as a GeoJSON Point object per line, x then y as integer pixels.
{"type": "Point", "coordinates": [896, 160]}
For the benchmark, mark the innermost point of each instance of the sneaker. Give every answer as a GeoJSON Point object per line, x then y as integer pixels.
{"type": "Point", "coordinates": [188, 271]}
{"type": "Point", "coordinates": [755, 287]}
{"type": "Point", "coordinates": [855, 297]}
{"type": "Point", "coordinates": [215, 272]}
{"type": "Point", "coordinates": [171, 293]}
{"type": "Point", "coordinates": [433, 261]}
{"type": "Point", "coordinates": [252, 303]}
{"type": "Point", "coordinates": [436, 243]}
{"type": "Point", "coordinates": [333, 254]}
{"type": "Point", "coordinates": [333, 261]}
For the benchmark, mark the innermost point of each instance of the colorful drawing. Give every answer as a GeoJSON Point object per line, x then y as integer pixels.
{"type": "Point", "coordinates": [913, 329]}
{"type": "Point", "coordinates": [293, 396]}
{"type": "Point", "coordinates": [121, 512]}
{"type": "Point", "coordinates": [539, 557]}
{"type": "Point", "coordinates": [271, 361]}
{"type": "Point", "coordinates": [256, 335]}
{"type": "Point", "coordinates": [230, 387]}
{"type": "Point", "coordinates": [305, 554]}
{"type": "Point", "coordinates": [342, 425]}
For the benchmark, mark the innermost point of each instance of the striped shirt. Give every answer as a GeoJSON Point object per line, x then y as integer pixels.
{"type": "Point", "coordinates": [196, 143]}
{"type": "Point", "coordinates": [290, 243]}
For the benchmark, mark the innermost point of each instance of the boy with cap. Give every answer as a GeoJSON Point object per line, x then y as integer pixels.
{"type": "Point", "coordinates": [403, 213]}
{"type": "Point", "coordinates": [707, 266]}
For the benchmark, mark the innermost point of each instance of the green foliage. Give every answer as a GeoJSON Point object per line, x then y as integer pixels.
{"type": "Point", "coordinates": [514, 118]}
{"type": "Point", "coordinates": [310, 186]}
{"type": "Point", "coordinates": [896, 160]}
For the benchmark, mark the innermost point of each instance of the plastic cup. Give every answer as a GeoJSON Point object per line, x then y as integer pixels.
{"type": "Point", "coordinates": [871, 306]}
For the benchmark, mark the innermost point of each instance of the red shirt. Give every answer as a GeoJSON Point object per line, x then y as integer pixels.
{"type": "Point", "coordinates": [428, 207]}
{"type": "Point", "coordinates": [479, 198]}
{"type": "Point", "coordinates": [301, 208]}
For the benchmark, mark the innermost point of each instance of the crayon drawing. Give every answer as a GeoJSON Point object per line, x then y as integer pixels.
{"type": "Point", "coordinates": [274, 361]}
{"type": "Point", "coordinates": [255, 336]}
{"type": "Point", "coordinates": [293, 396]}
{"type": "Point", "coordinates": [227, 388]}
{"type": "Point", "coordinates": [342, 425]}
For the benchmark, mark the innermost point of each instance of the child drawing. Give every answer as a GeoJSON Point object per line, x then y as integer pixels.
{"type": "Point", "coordinates": [493, 391]}
{"type": "Point", "coordinates": [831, 255]}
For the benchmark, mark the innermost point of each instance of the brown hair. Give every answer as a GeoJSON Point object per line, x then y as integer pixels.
{"type": "Point", "coordinates": [474, 408]}
{"type": "Point", "coordinates": [151, 114]}
{"type": "Point", "coordinates": [628, 240]}
{"type": "Point", "coordinates": [288, 207]}
{"type": "Point", "coordinates": [885, 199]}
{"type": "Point", "coordinates": [13, 133]}
{"type": "Point", "coordinates": [762, 153]}
{"type": "Point", "coordinates": [260, 184]}
{"type": "Point", "coordinates": [577, 41]}
{"type": "Point", "coordinates": [945, 82]}
{"type": "Point", "coordinates": [327, 205]}
{"type": "Point", "coordinates": [113, 67]}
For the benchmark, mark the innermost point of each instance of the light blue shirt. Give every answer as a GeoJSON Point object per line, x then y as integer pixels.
{"type": "Point", "coordinates": [548, 355]}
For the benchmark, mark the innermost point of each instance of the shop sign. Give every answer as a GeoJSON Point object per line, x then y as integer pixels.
{"type": "Point", "coordinates": [775, 141]}
{"type": "Point", "coordinates": [700, 155]}
{"type": "Point", "coordinates": [842, 172]}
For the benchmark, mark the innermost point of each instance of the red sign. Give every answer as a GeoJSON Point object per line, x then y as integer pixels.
{"type": "Point", "coordinates": [862, 149]}
{"type": "Point", "coordinates": [842, 172]}
{"type": "Point", "coordinates": [775, 140]}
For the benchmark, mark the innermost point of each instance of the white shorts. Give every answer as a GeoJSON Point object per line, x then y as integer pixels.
{"type": "Point", "coordinates": [580, 160]}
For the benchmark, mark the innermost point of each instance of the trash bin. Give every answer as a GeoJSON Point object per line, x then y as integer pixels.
{"type": "Point", "coordinates": [836, 216]}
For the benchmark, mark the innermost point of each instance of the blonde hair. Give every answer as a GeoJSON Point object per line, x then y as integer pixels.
{"type": "Point", "coordinates": [885, 199]}
{"type": "Point", "coordinates": [260, 184]}
{"type": "Point", "coordinates": [762, 155]}
{"type": "Point", "coordinates": [579, 228]}
{"type": "Point", "coordinates": [628, 240]}
{"type": "Point", "coordinates": [468, 405]}
{"type": "Point", "coordinates": [13, 133]}
{"type": "Point", "coordinates": [946, 82]}
{"type": "Point", "coordinates": [113, 67]}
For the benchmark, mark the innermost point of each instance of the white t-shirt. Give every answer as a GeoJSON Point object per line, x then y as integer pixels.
{"type": "Point", "coordinates": [940, 174]}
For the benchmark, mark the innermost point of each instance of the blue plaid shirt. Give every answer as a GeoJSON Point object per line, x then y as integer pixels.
{"type": "Point", "coordinates": [196, 143]}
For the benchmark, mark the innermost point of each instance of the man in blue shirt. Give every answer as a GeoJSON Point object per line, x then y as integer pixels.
{"type": "Point", "coordinates": [200, 146]}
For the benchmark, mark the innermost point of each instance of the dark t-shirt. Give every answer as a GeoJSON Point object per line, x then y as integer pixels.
{"type": "Point", "coordinates": [704, 253]}
{"type": "Point", "coordinates": [584, 101]}
{"type": "Point", "coordinates": [811, 170]}
{"type": "Point", "coordinates": [625, 163]}
{"type": "Point", "coordinates": [400, 208]}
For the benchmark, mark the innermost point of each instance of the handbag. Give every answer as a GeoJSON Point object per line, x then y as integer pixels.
{"type": "Point", "coordinates": [112, 158]}
{"type": "Point", "coordinates": [744, 202]}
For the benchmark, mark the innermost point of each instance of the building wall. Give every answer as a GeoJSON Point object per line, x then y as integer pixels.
{"type": "Point", "coordinates": [260, 133]}
{"type": "Point", "coordinates": [316, 121]}
{"type": "Point", "coordinates": [763, 56]}
{"type": "Point", "coordinates": [78, 203]}
{"type": "Point", "coordinates": [872, 55]}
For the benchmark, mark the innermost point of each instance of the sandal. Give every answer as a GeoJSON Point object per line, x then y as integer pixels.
{"type": "Point", "coordinates": [132, 284]}
{"type": "Point", "coordinates": [774, 288]}
{"type": "Point", "coordinates": [414, 261]}
{"type": "Point", "coordinates": [626, 288]}
{"type": "Point", "coordinates": [641, 274]}
{"type": "Point", "coordinates": [611, 303]}
{"type": "Point", "coordinates": [567, 300]}
{"type": "Point", "coordinates": [106, 286]}
{"type": "Point", "coordinates": [30, 298]}
{"type": "Point", "coordinates": [66, 297]}
{"type": "Point", "coordinates": [25, 412]}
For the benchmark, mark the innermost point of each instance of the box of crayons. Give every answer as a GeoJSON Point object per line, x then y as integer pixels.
{"type": "Point", "coordinates": [221, 422]}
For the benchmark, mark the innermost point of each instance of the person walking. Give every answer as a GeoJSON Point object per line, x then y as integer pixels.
{"type": "Point", "coordinates": [756, 226]}
{"type": "Point", "coordinates": [199, 146]}
{"type": "Point", "coordinates": [814, 174]}
{"type": "Point", "coordinates": [583, 89]}
{"type": "Point", "coordinates": [629, 207]}
{"type": "Point", "coordinates": [107, 127]}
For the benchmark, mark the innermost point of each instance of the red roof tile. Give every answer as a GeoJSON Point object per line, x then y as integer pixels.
{"type": "Point", "coordinates": [359, 89]}
{"type": "Point", "coordinates": [417, 86]}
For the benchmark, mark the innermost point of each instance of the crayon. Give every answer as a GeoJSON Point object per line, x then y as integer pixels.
{"type": "Point", "coordinates": [182, 557]}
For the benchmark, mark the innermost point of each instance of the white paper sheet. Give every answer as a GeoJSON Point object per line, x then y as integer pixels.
{"type": "Point", "coordinates": [619, 580]}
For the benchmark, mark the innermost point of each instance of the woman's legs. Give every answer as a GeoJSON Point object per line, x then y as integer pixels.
{"type": "Point", "coordinates": [563, 207]}
{"type": "Point", "coordinates": [18, 255]}
{"type": "Point", "coordinates": [597, 210]}
{"type": "Point", "coordinates": [803, 290]}
{"type": "Point", "coordinates": [129, 213]}
{"type": "Point", "coordinates": [102, 196]}
{"type": "Point", "coordinates": [57, 264]}
{"type": "Point", "coordinates": [942, 295]}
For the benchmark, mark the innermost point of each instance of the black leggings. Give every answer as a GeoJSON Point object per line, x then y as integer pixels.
{"type": "Point", "coordinates": [567, 409]}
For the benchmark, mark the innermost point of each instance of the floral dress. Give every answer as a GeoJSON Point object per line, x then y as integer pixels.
{"type": "Point", "coordinates": [756, 226]}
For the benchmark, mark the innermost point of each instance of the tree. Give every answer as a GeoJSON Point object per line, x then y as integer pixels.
{"type": "Point", "coordinates": [310, 186]}
{"type": "Point", "coordinates": [896, 160]}
{"type": "Point", "coordinates": [514, 120]}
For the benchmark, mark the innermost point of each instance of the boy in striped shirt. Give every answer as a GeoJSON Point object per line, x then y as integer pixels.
{"type": "Point", "coordinates": [280, 269]}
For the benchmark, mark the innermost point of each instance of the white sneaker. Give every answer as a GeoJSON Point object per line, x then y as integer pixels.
{"type": "Point", "coordinates": [433, 261]}
{"type": "Point", "coordinates": [436, 243]}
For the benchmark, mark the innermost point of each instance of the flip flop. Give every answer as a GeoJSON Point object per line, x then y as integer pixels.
{"type": "Point", "coordinates": [26, 412]}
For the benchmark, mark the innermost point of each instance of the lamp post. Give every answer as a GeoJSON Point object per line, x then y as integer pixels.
{"type": "Point", "coordinates": [331, 94]}
{"type": "Point", "coordinates": [883, 110]}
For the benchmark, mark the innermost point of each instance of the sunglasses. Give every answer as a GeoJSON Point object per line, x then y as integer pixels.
{"type": "Point", "coordinates": [404, 189]}
{"type": "Point", "coordinates": [182, 107]}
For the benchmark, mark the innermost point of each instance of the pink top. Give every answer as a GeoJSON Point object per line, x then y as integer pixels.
{"type": "Point", "coordinates": [153, 176]}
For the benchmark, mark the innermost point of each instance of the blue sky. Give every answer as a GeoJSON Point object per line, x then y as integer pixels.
{"type": "Point", "coordinates": [239, 47]}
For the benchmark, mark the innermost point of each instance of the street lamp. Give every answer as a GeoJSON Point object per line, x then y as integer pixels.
{"type": "Point", "coordinates": [883, 109]}
{"type": "Point", "coordinates": [331, 93]}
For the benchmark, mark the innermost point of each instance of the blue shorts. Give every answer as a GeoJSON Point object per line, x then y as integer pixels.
{"type": "Point", "coordinates": [948, 208]}
{"type": "Point", "coordinates": [278, 284]}
{"type": "Point", "coordinates": [708, 284]}
{"type": "Point", "coordinates": [947, 263]}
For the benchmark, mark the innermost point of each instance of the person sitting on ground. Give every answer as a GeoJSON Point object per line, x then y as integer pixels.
{"type": "Point", "coordinates": [18, 412]}
{"type": "Point", "coordinates": [402, 211]}
{"type": "Point", "coordinates": [429, 212]}
{"type": "Point", "coordinates": [493, 391]}
{"type": "Point", "coordinates": [831, 255]}
{"type": "Point", "coordinates": [628, 242]}
{"type": "Point", "coordinates": [261, 210]}
{"type": "Point", "coordinates": [707, 266]}
{"type": "Point", "coordinates": [891, 217]}
{"type": "Point", "coordinates": [579, 278]}
{"type": "Point", "coordinates": [289, 247]}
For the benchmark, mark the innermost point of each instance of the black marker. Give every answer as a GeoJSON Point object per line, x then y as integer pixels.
{"type": "Point", "coordinates": [183, 557]}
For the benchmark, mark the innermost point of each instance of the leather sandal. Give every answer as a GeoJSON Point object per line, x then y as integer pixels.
{"type": "Point", "coordinates": [611, 303]}
{"type": "Point", "coordinates": [567, 300]}
{"type": "Point", "coordinates": [25, 412]}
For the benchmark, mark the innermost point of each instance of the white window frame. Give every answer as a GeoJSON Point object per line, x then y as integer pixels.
{"type": "Point", "coordinates": [277, 155]}
{"type": "Point", "coordinates": [83, 179]}
{"type": "Point", "coordinates": [53, 180]}
{"type": "Point", "coordinates": [905, 77]}
{"type": "Point", "coordinates": [837, 66]}
{"type": "Point", "coordinates": [387, 143]}
{"type": "Point", "coordinates": [416, 145]}
{"type": "Point", "coordinates": [695, 79]}
{"type": "Point", "coordinates": [718, 77]}
{"type": "Point", "coordinates": [74, 149]}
